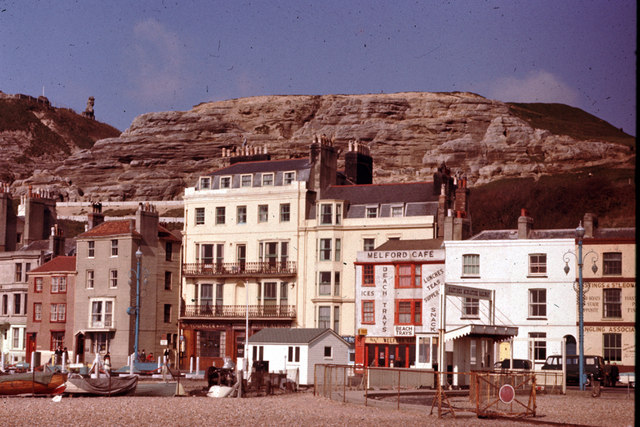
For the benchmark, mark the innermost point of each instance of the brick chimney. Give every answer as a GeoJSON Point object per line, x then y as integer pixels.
{"type": "Point", "coordinates": [525, 224]}
{"type": "Point", "coordinates": [8, 220]}
{"type": "Point", "coordinates": [358, 164]}
{"type": "Point", "coordinates": [39, 216]}
{"type": "Point", "coordinates": [96, 217]}
{"type": "Point", "coordinates": [590, 224]}
{"type": "Point", "coordinates": [147, 220]}
{"type": "Point", "coordinates": [56, 241]}
{"type": "Point", "coordinates": [324, 164]}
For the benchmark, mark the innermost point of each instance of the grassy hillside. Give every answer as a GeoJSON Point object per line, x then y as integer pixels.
{"type": "Point", "coordinates": [557, 201]}
{"type": "Point", "coordinates": [565, 120]}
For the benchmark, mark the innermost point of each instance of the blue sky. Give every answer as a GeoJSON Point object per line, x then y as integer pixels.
{"type": "Point", "coordinates": [145, 56]}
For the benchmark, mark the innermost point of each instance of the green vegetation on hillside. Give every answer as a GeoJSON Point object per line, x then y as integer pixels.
{"type": "Point", "coordinates": [565, 120]}
{"type": "Point", "coordinates": [558, 201]}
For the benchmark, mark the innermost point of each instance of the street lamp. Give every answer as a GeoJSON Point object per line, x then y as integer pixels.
{"type": "Point", "coordinates": [594, 268]}
{"type": "Point", "coordinates": [136, 310]}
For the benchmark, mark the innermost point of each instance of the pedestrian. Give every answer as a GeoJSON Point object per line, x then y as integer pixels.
{"type": "Point", "coordinates": [107, 363]}
{"type": "Point", "coordinates": [58, 356]}
{"type": "Point", "coordinates": [65, 356]}
{"type": "Point", "coordinates": [143, 356]}
{"type": "Point", "coordinates": [150, 357]}
{"type": "Point", "coordinates": [167, 357]}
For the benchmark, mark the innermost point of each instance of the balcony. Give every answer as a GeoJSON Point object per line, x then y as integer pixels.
{"type": "Point", "coordinates": [238, 311]}
{"type": "Point", "coordinates": [240, 269]}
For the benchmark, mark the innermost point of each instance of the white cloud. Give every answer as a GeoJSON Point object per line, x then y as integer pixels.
{"type": "Point", "coordinates": [156, 63]}
{"type": "Point", "coordinates": [537, 86]}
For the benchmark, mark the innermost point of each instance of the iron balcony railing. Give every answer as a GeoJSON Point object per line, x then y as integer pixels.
{"type": "Point", "coordinates": [240, 269]}
{"type": "Point", "coordinates": [238, 311]}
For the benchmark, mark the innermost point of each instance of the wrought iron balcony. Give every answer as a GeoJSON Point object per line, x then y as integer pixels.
{"type": "Point", "coordinates": [240, 269]}
{"type": "Point", "coordinates": [238, 311]}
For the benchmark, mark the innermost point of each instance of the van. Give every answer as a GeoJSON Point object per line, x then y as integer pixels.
{"type": "Point", "coordinates": [593, 367]}
{"type": "Point", "coordinates": [518, 364]}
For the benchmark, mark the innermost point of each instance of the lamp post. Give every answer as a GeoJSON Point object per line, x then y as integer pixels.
{"type": "Point", "coordinates": [594, 268]}
{"type": "Point", "coordinates": [245, 362]}
{"type": "Point", "coordinates": [136, 309]}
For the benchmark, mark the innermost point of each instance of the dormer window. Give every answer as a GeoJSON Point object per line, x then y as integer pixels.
{"type": "Point", "coordinates": [371, 212]}
{"type": "Point", "coordinates": [205, 183]}
{"type": "Point", "coordinates": [326, 213]}
{"type": "Point", "coordinates": [267, 179]}
{"type": "Point", "coordinates": [225, 182]}
{"type": "Point", "coordinates": [288, 178]}
{"type": "Point", "coordinates": [246, 180]}
{"type": "Point", "coordinates": [397, 211]}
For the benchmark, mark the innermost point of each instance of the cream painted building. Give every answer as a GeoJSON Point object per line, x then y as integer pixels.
{"type": "Point", "coordinates": [288, 231]}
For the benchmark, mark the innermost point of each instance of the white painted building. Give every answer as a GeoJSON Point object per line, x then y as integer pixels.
{"type": "Point", "coordinates": [297, 351]}
{"type": "Point", "coordinates": [525, 270]}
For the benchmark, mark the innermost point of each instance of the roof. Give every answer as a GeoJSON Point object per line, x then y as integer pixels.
{"type": "Point", "coordinates": [60, 263]}
{"type": "Point", "coordinates": [498, 333]}
{"type": "Point", "coordinates": [124, 227]}
{"type": "Point", "coordinates": [289, 335]}
{"type": "Point", "coordinates": [382, 193]}
{"type": "Point", "coordinates": [566, 233]}
{"type": "Point", "coordinates": [112, 228]}
{"type": "Point", "coordinates": [398, 245]}
{"type": "Point", "coordinates": [263, 166]}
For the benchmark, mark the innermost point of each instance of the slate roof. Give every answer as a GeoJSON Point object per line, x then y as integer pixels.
{"type": "Point", "coordinates": [60, 263]}
{"type": "Point", "coordinates": [263, 166]}
{"type": "Point", "coordinates": [288, 335]}
{"type": "Point", "coordinates": [399, 245]}
{"type": "Point", "coordinates": [566, 233]}
{"type": "Point", "coordinates": [382, 193]}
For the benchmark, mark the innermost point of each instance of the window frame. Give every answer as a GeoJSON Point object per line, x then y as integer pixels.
{"type": "Point", "coordinates": [415, 275]}
{"type": "Point", "coordinates": [368, 275]}
{"type": "Point", "coordinates": [114, 248]}
{"type": "Point", "coordinates": [612, 351]}
{"type": "Point", "coordinates": [328, 318]}
{"type": "Point", "coordinates": [538, 264]}
{"type": "Point", "coordinates": [58, 284]}
{"type": "Point", "coordinates": [470, 308]}
{"type": "Point", "coordinates": [324, 251]}
{"type": "Point", "coordinates": [113, 278]}
{"type": "Point", "coordinates": [167, 316]}
{"type": "Point", "coordinates": [371, 212]}
{"type": "Point", "coordinates": [168, 280]}
{"type": "Point", "coordinates": [38, 284]}
{"type": "Point", "coordinates": [202, 181]}
{"type": "Point", "coordinates": [91, 249]}
{"type": "Point", "coordinates": [221, 215]}
{"type": "Point", "coordinates": [168, 251]}
{"type": "Point", "coordinates": [263, 213]}
{"type": "Point", "coordinates": [471, 268]}
{"type": "Point", "coordinates": [57, 315]}
{"type": "Point", "coordinates": [90, 277]}
{"type": "Point", "coordinates": [611, 307]}
{"type": "Point", "coordinates": [37, 313]}
{"type": "Point", "coordinates": [225, 181]}
{"type": "Point", "coordinates": [612, 267]}
{"type": "Point", "coordinates": [241, 214]}
{"type": "Point", "coordinates": [267, 179]}
{"type": "Point", "coordinates": [368, 311]}
{"type": "Point", "coordinates": [326, 213]}
{"type": "Point", "coordinates": [18, 272]}
{"type": "Point", "coordinates": [102, 323]}
{"type": "Point", "coordinates": [535, 303]}
{"type": "Point", "coordinates": [246, 180]}
{"type": "Point", "coordinates": [288, 177]}
{"type": "Point", "coordinates": [324, 285]}
{"type": "Point", "coordinates": [368, 241]}
{"type": "Point", "coordinates": [285, 212]}
{"type": "Point", "coordinates": [415, 312]}
{"type": "Point", "coordinates": [199, 218]}
{"type": "Point", "coordinates": [393, 211]}
{"type": "Point", "coordinates": [539, 347]}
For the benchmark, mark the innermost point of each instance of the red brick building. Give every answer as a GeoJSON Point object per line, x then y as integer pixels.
{"type": "Point", "coordinates": [50, 307]}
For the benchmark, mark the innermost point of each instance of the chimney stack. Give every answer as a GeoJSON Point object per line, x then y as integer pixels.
{"type": "Point", "coordinates": [590, 224]}
{"type": "Point", "coordinates": [525, 224]}
{"type": "Point", "coordinates": [358, 164]}
{"type": "Point", "coordinates": [96, 217]}
{"type": "Point", "coordinates": [56, 241]}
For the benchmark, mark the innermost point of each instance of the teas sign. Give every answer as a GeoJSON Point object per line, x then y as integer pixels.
{"type": "Point", "coordinates": [404, 330]}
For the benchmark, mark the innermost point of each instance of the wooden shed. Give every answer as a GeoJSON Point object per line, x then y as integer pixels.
{"type": "Point", "coordinates": [298, 350]}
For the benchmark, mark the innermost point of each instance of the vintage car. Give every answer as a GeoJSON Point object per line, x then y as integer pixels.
{"type": "Point", "coordinates": [593, 367]}
{"type": "Point", "coordinates": [518, 364]}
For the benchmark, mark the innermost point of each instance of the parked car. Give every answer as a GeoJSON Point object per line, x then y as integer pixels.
{"type": "Point", "coordinates": [521, 364]}
{"type": "Point", "coordinates": [593, 367]}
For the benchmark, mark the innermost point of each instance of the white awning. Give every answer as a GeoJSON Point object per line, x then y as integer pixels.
{"type": "Point", "coordinates": [498, 333]}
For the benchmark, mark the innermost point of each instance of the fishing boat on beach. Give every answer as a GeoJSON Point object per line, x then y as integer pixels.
{"type": "Point", "coordinates": [37, 382]}
{"type": "Point", "coordinates": [102, 386]}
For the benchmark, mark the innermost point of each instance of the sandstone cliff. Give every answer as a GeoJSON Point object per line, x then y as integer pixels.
{"type": "Point", "coordinates": [409, 135]}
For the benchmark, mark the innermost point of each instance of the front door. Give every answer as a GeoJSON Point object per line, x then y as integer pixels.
{"type": "Point", "coordinates": [80, 347]}
{"type": "Point", "coordinates": [31, 345]}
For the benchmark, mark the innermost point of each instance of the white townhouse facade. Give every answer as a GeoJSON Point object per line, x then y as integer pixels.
{"type": "Point", "coordinates": [525, 270]}
{"type": "Point", "coordinates": [287, 232]}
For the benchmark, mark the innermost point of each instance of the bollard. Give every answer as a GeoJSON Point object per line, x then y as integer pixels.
{"type": "Point", "coordinates": [191, 365]}
{"type": "Point", "coordinates": [33, 359]}
{"type": "Point", "coordinates": [197, 365]}
{"type": "Point", "coordinates": [64, 362]}
{"type": "Point", "coordinates": [77, 358]}
{"type": "Point", "coordinates": [132, 358]}
{"type": "Point", "coordinates": [1, 361]}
